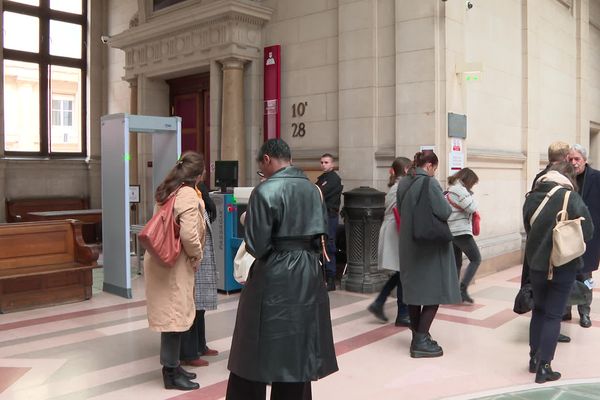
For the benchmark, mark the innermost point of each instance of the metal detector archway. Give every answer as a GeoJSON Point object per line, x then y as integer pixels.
{"type": "Point", "coordinates": [166, 145]}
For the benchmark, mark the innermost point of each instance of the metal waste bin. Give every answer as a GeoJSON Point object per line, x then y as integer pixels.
{"type": "Point", "coordinates": [363, 212]}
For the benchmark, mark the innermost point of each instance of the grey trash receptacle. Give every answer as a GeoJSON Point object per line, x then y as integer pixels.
{"type": "Point", "coordinates": [363, 212]}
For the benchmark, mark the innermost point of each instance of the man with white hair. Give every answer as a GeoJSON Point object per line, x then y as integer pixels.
{"type": "Point", "coordinates": [588, 182]}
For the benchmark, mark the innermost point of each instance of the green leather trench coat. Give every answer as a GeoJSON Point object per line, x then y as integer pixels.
{"type": "Point", "coordinates": [283, 327]}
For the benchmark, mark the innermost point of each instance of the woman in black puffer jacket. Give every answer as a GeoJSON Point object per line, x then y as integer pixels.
{"type": "Point", "coordinates": [550, 295]}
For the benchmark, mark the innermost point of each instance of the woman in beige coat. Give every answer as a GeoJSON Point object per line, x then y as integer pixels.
{"type": "Point", "coordinates": [170, 291]}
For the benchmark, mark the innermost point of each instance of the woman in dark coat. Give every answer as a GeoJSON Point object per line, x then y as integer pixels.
{"type": "Point", "coordinates": [428, 269]}
{"type": "Point", "coordinates": [550, 288]}
{"type": "Point", "coordinates": [283, 334]}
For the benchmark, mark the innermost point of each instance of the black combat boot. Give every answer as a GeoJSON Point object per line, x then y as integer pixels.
{"type": "Point", "coordinates": [544, 373]}
{"type": "Point", "coordinates": [422, 346]}
{"type": "Point", "coordinates": [174, 379]}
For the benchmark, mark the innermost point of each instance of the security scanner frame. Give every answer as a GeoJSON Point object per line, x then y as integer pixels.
{"type": "Point", "coordinates": [166, 145]}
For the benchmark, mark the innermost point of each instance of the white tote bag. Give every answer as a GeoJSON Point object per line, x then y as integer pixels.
{"type": "Point", "coordinates": [242, 263]}
{"type": "Point", "coordinates": [567, 237]}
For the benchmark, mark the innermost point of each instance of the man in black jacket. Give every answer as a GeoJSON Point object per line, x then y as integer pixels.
{"type": "Point", "coordinates": [588, 180]}
{"type": "Point", "coordinates": [331, 186]}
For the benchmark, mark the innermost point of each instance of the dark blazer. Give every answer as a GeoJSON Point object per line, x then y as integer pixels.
{"type": "Point", "coordinates": [539, 236]}
{"type": "Point", "coordinates": [590, 192]}
{"type": "Point", "coordinates": [330, 184]}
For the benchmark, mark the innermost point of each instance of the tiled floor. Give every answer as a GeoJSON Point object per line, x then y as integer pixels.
{"type": "Point", "coordinates": [102, 349]}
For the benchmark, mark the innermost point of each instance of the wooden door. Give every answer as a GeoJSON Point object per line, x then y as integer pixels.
{"type": "Point", "coordinates": [190, 100]}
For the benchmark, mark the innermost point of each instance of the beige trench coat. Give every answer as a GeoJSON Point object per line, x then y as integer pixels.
{"type": "Point", "coordinates": [170, 291]}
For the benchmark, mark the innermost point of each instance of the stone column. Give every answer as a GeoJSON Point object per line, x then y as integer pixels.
{"type": "Point", "coordinates": [133, 136]}
{"type": "Point", "coordinates": [233, 137]}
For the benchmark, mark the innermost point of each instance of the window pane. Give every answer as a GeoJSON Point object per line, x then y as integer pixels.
{"type": "Point", "coordinates": [65, 39]}
{"type": "Point", "coordinates": [21, 106]}
{"type": "Point", "coordinates": [21, 32]}
{"type": "Point", "coordinates": [71, 6]}
{"type": "Point", "coordinates": [30, 2]}
{"type": "Point", "coordinates": [65, 89]}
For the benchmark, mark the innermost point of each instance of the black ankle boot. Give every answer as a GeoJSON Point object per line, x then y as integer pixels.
{"type": "Point", "coordinates": [544, 373]}
{"type": "Point", "coordinates": [464, 295]}
{"type": "Point", "coordinates": [173, 379]}
{"type": "Point", "coordinates": [532, 362]}
{"type": "Point", "coordinates": [187, 374]}
{"type": "Point", "coordinates": [377, 310]}
{"type": "Point", "coordinates": [422, 346]}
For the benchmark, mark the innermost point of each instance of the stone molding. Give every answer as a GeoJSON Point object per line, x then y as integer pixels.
{"type": "Point", "coordinates": [225, 28]}
{"type": "Point", "coordinates": [508, 159]}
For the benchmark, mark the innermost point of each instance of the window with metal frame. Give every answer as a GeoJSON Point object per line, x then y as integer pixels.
{"type": "Point", "coordinates": [44, 72]}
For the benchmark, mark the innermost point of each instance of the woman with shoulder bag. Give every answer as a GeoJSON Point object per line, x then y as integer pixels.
{"type": "Point", "coordinates": [464, 206]}
{"type": "Point", "coordinates": [170, 290]}
{"type": "Point", "coordinates": [550, 284]}
{"type": "Point", "coordinates": [388, 257]}
{"type": "Point", "coordinates": [427, 272]}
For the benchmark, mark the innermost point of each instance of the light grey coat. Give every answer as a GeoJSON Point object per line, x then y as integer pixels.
{"type": "Point", "coordinates": [460, 219]}
{"type": "Point", "coordinates": [428, 272]}
{"type": "Point", "coordinates": [387, 248]}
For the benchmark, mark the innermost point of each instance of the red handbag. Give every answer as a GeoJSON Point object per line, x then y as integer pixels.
{"type": "Point", "coordinates": [160, 236]}
{"type": "Point", "coordinates": [476, 221]}
{"type": "Point", "coordinates": [397, 218]}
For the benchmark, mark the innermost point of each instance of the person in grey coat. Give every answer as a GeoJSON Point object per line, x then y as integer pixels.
{"type": "Point", "coordinates": [428, 270]}
{"type": "Point", "coordinates": [550, 290]}
{"type": "Point", "coordinates": [283, 334]}
{"type": "Point", "coordinates": [460, 197]}
{"type": "Point", "coordinates": [387, 247]}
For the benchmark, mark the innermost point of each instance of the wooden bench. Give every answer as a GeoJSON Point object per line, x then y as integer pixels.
{"type": "Point", "coordinates": [44, 263]}
{"type": "Point", "coordinates": [17, 210]}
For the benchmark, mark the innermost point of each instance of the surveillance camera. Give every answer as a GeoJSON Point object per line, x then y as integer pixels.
{"type": "Point", "coordinates": [105, 39]}
{"type": "Point", "coordinates": [469, 5]}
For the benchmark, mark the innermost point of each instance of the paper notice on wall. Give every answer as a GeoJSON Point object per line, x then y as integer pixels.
{"type": "Point", "coordinates": [456, 162]}
{"type": "Point", "coordinates": [456, 145]}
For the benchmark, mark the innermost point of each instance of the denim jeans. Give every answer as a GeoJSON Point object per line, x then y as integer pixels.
{"type": "Point", "coordinates": [394, 281]}
{"type": "Point", "coordinates": [466, 244]}
{"type": "Point", "coordinates": [549, 300]}
{"type": "Point", "coordinates": [330, 267]}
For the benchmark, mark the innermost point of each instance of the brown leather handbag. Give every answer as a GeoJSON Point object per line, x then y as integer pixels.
{"type": "Point", "coordinates": [160, 236]}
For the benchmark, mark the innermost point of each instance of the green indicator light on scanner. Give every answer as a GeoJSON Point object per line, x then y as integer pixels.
{"type": "Point", "coordinates": [127, 157]}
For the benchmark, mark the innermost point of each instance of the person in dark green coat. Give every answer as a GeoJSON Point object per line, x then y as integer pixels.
{"type": "Point", "coordinates": [283, 334]}
{"type": "Point", "coordinates": [427, 269]}
{"type": "Point", "coordinates": [550, 291]}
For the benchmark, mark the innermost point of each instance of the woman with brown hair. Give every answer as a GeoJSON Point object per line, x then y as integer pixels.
{"type": "Point", "coordinates": [460, 197]}
{"type": "Point", "coordinates": [388, 257]}
{"type": "Point", "coordinates": [427, 272]}
{"type": "Point", "coordinates": [170, 290]}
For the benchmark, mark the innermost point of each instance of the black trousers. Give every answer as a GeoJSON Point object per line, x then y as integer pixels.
{"type": "Point", "coordinates": [549, 301]}
{"type": "Point", "coordinates": [193, 341]}
{"type": "Point", "coordinates": [239, 388]}
{"type": "Point", "coordinates": [170, 342]}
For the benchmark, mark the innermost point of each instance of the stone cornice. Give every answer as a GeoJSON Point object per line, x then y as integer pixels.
{"type": "Point", "coordinates": [190, 36]}
{"type": "Point", "coordinates": [192, 18]}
